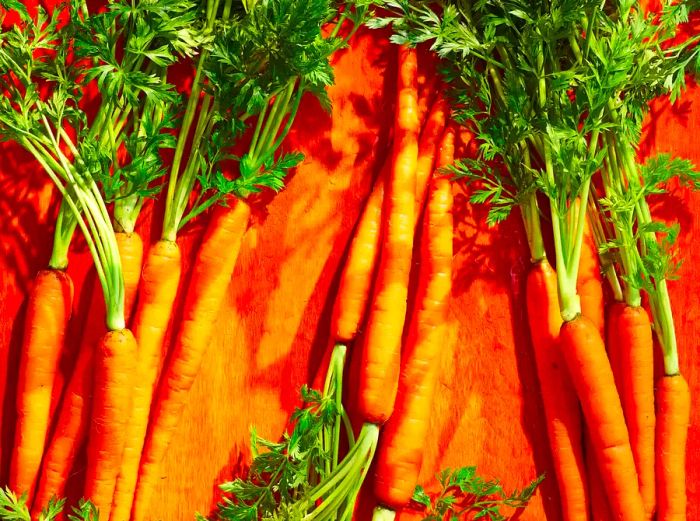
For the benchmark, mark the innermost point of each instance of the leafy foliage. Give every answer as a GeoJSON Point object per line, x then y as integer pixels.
{"type": "Point", "coordinates": [464, 492]}
{"type": "Point", "coordinates": [15, 508]}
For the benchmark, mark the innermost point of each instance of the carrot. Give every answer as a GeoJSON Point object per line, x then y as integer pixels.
{"type": "Point", "coordinates": [615, 312]}
{"type": "Point", "coordinates": [74, 412]}
{"type": "Point", "coordinates": [636, 352]}
{"type": "Point", "coordinates": [399, 458]}
{"type": "Point", "coordinates": [589, 284]}
{"type": "Point", "coordinates": [381, 343]}
{"type": "Point", "coordinates": [115, 360]}
{"type": "Point", "coordinates": [159, 282]}
{"type": "Point", "coordinates": [48, 312]}
{"type": "Point", "coordinates": [673, 419]}
{"type": "Point", "coordinates": [427, 149]}
{"type": "Point", "coordinates": [589, 368]}
{"type": "Point", "coordinates": [356, 278]}
{"type": "Point", "coordinates": [561, 408]}
{"type": "Point", "coordinates": [211, 275]}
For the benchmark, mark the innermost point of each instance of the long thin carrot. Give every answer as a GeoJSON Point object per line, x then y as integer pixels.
{"type": "Point", "coordinates": [561, 408]}
{"type": "Point", "coordinates": [593, 380]}
{"type": "Point", "coordinates": [159, 283]}
{"type": "Point", "coordinates": [600, 510]}
{"type": "Point", "coordinates": [74, 412]}
{"type": "Point", "coordinates": [381, 345]}
{"type": "Point", "coordinates": [673, 419]}
{"type": "Point", "coordinates": [636, 352]}
{"type": "Point", "coordinates": [402, 440]}
{"type": "Point", "coordinates": [48, 311]}
{"type": "Point", "coordinates": [115, 360]}
{"type": "Point", "coordinates": [211, 275]}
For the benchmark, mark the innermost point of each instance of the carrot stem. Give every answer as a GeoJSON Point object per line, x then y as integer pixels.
{"type": "Point", "coordinates": [63, 235]}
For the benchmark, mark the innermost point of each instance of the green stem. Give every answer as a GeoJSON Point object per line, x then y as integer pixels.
{"type": "Point", "coordinates": [63, 234]}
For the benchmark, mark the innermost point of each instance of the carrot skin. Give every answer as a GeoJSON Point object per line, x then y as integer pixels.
{"type": "Point", "coordinates": [428, 145]}
{"type": "Point", "coordinates": [589, 368]}
{"type": "Point", "coordinates": [207, 288]}
{"type": "Point", "coordinates": [561, 407]}
{"type": "Point", "coordinates": [589, 284]}
{"type": "Point", "coordinates": [615, 312]}
{"type": "Point", "coordinates": [672, 422]}
{"type": "Point", "coordinates": [115, 360]}
{"type": "Point", "coordinates": [381, 344]}
{"type": "Point", "coordinates": [48, 312]}
{"type": "Point", "coordinates": [71, 428]}
{"type": "Point", "coordinates": [637, 394]}
{"type": "Point", "coordinates": [600, 510]}
{"type": "Point", "coordinates": [400, 453]}
{"type": "Point", "coordinates": [158, 289]}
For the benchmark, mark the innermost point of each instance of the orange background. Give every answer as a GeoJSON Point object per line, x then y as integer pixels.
{"type": "Point", "coordinates": [274, 325]}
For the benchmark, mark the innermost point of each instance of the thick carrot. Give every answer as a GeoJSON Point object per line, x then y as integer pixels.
{"type": "Point", "coordinates": [381, 345]}
{"type": "Point", "coordinates": [561, 408]}
{"type": "Point", "coordinates": [589, 284]}
{"type": "Point", "coordinates": [400, 453]}
{"type": "Point", "coordinates": [115, 360]}
{"type": "Point", "coordinates": [672, 421]}
{"type": "Point", "coordinates": [211, 276]}
{"type": "Point", "coordinates": [589, 368]}
{"type": "Point", "coordinates": [636, 352]}
{"type": "Point", "coordinates": [159, 283]}
{"type": "Point", "coordinates": [74, 412]}
{"type": "Point", "coordinates": [48, 312]}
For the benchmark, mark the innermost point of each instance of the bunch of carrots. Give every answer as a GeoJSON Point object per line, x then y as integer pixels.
{"type": "Point", "coordinates": [556, 91]}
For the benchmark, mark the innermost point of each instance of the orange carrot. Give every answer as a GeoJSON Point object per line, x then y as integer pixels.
{"type": "Point", "coordinates": [48, 311]}
{"type": "Point", "coordinates": [211, 275]}
{"type": "Point", "coordinates": [381, 344]}
{"type": "Point", "coordinates": [356, 278]}
{"type": "Point", "coordinates": [636, 352]}
{"type": "Point", "coordinates": [74, 412]}
{"type": "Point", "coordinates": [115, 360]}
{"type": "Point", "coordinates": [673, 419]}
{"type": "Point", "coordinates": [589, 368]}
{"type": "Point", "coordinates": [159, 282]}
{"type": "Point", "coordinates": [589, 284]}
{"type": "Point", "coordinates": [403, 437]}
{"type": "Point", "coordinates": [615, 311]}
{"type": "Point", "coordinates": [427, 149]}
{"type": "Point", "coordinates": [561, 408]}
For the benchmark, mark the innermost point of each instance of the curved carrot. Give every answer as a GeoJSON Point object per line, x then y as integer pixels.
{"type": "Point", "coordinates": [636, 352]}
{"type": "Point", "coordinates": [381, 344]}
{"type": "Point", "coordinates": [48, 312]}
{"type": "Point", "coordinates": [400, 454]}
{"type": "Point", "coordinates": [115, 360]}
{"type": "Point", "coordinates": [159, 283]}
{"type": "Point", "coordinates": [211, 276]}
{"type": "Point", "coordinates": [561, 408]}
{"type": "Point", "coordinates": [589, 284]}
{"type": "Point", "coordinates": [74, 412]}
{"type": "Point", "coordinates": [672, 421]}
{"type": "Point", "coordinates": [589, 368]}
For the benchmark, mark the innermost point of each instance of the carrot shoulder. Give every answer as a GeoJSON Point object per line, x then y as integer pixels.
{"type": "Point", "coordinates": [207, 288]}
{"type": "Point", "coordinates": [48, 311]}
{"type": "Point", "coordinates": [381, 344]}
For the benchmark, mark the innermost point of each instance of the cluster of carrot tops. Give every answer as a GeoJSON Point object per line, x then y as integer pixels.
{"type": "Point", "coordinates": [556, 91]}
{"type": "Point", "coordinates": [85, 91]}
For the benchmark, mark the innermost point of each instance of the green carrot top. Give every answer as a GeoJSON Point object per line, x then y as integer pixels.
{"type": "Point", "coordinates": [543, 83]}
{"type": "Point", "coordinates": [47, 63]}
{"type": "Point", "coordinates": [263, 56]}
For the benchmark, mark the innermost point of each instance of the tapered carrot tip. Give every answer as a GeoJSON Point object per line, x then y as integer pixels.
{"type": "Point", "coordinates": [672, 422]}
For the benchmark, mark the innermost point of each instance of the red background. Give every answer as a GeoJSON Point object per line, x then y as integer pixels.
{"type": "Point", "coordinates": [274, 324]}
